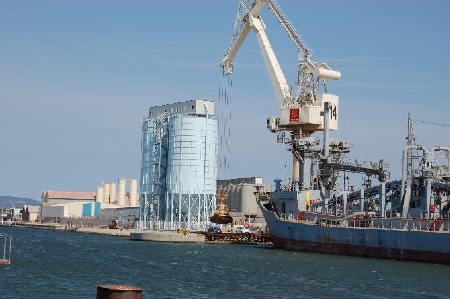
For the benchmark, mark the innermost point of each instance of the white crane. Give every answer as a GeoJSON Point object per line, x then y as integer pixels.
{"type": "Point", "coordinates": [302, 106]}
{"type": "Point", "coordinates": [310, 74]}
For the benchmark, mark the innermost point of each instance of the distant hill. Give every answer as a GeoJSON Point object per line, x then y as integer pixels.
{"type": "Point", "coordinates": [17, 202]}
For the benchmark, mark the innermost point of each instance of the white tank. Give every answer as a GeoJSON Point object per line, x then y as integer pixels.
{"type": "Point", "coordinates": [133, 193]}
{"type": "Point", "coordinates": [121, 193]}
{"type": "Point", "coordinates": [106, 190]}
{"type": "Point", "coordinates": [99, 194]}
{"type": "Point", "coordinates": [112, 193]}
{"type": "Point", "coordinates": [248, 199]}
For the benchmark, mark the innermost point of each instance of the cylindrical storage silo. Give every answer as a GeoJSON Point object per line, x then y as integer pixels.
{"type": "Point", "coordinates": [248, 200]}
{"type": "Point", "coordinates": [227, 190]}
{"type": "Point", "coordinates": [106, 190]}
{"type": "Point", "coordinates": [232, 196]}
{"type": "Point", "coordinates": [192, 155]}
{"type": "Point", "coordinates": [237, 198]}
{"type": "Point", "coordinates": [192, 164]}
{"type": "Point", "coordinates": [133, 193]}
{"type": "Point", "coordinates": [121, 192]}
{"type": "Point", "coordinates": [99, 194]}
{"type": "Point", "coordinates": [112, 193]}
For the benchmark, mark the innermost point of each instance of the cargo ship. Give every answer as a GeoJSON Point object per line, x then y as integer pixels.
{"type": "Point", "coordinates": [405, 219]}
{"type": "Point", "coordinates": [315, 211]}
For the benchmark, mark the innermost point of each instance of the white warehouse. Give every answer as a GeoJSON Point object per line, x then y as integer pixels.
{"type": "Point", "coordinates": [179, 165]}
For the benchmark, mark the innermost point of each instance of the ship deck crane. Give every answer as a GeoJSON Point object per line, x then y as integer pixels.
{"type": "Point", "coordinates": [301, 106]}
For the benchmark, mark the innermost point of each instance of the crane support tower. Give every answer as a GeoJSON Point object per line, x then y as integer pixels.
{"type": "Point", "coordinates": [302, 105]}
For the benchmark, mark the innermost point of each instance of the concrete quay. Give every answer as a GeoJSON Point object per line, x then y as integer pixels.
{"type": "Point", "coordinates": [178, 236]}
{"type": "Point", "coordinates": [104, 231]}
{"type": "Point", "coordinates": [167, 236]}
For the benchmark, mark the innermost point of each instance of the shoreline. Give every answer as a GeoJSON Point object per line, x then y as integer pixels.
{"type": "Point", "coordinates": [61, 227]}
{"type": "Point", "coordinates": [151, 235]}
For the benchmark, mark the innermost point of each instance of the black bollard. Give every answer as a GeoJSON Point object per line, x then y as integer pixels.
{"type": "Point", "coordinates": [114, 291]}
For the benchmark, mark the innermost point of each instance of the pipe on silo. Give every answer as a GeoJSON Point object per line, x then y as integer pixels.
{"type": "Point", "coordinates": [121, 194]}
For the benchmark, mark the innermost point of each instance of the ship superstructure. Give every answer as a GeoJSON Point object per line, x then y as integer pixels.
{"type": "Point", "coordinates": [399, 219]}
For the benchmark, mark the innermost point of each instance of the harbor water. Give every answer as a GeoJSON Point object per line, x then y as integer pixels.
{"type": "Point", "coordinates": [57, 264]}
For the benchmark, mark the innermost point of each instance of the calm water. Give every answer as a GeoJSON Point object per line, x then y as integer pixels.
{"type": "Point", "coordinates": [51, 264]}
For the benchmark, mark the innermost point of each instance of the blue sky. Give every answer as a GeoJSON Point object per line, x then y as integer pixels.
{"type": "Point", "coordinates": [77, 77]}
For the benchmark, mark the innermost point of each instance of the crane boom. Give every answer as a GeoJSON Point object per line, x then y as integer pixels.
{"type": "Point", "coordinates": [240, 32]}
{"type": "Point", "coordinates": [252, 19]}
{"type": "Point", "coordinates": [284, 21]}
{"type": "Point", "coordinates": [279, 83]}
{"type": "Point", "coordinates": [301, 105]}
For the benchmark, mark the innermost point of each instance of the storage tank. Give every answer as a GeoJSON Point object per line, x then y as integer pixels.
{"type": "Point", "coordinates": [121, 192]}
{"type": "Point", "coordinates": [192, 155]}
{"type": "Point", "coordinates": [238, 198]}
{"type": "Point", "coordinates": [133, 193]}
{"type": "Point", "coordinates": [192, 167]}
{"type": "Point", "coordinates": [112, 193]}
{"type": "Point", "coordinates": [179, 165]}
{"type": "Point", "coordinates": [232, 196]}
{"type": "Point", "coordinates": [106, 190]}
{"type": "Point", "coordinates": [99, 194]}
{"type": "Point", "coordinates": [248, 199]}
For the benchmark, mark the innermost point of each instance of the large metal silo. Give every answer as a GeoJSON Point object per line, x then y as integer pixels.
{"type": "Point", "coordinates": [179, 165]}
{"type": "Point", "coordinates": [191, 169]}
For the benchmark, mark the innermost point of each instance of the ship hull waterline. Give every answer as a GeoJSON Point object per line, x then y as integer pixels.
{"type": "Point", "coordinates": [403, 245]}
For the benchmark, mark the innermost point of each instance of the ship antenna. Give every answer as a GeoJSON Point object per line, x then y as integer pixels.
{"type": "Point", "coordinates": [410, 139]}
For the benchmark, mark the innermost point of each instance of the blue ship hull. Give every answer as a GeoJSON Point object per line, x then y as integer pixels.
{"type": "Point", "coordinates": [397, 244]}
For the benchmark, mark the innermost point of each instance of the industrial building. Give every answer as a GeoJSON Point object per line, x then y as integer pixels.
{"type": "Point", "coordinates": [30, 213]}
{"type": "Point", "coordinates": [105, 204]}
{"type": "Point", "coordinates": [179, 165]}
{"type": "Point", "coordinates": [60, 204]}
{"type": "Point", "coordinates": [241, 199]}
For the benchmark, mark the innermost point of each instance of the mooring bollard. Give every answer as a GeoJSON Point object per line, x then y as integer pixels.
{"type": "Point", "coordinates": [112, 291]}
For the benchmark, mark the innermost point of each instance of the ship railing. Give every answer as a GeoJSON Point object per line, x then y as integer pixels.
{"type": "Point", "coordinates": [422, 224]}
{"type": "Point", "coordinates": [438, 225]}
